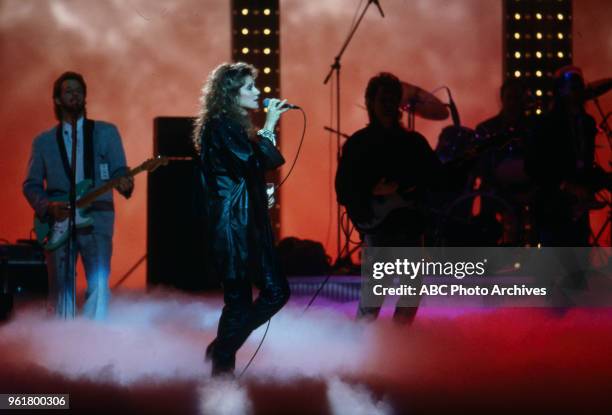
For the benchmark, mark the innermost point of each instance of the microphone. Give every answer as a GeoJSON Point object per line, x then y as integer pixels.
{"type": "Point", "coordinates": [379, 8]}
{"type": "Point", "coordinates": [453, 109]}
{"type": "Point", "coordinates": [454, 113]}
{"type": "Point", "coordinates": [266, 102]}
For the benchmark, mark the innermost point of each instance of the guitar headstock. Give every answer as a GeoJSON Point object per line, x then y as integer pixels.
{"type": "Point", "coordinates": [153, 163]}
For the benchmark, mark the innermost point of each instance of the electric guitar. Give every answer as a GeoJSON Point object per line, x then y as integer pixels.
{"type": "Point", "coordinates": [52, 235]}
{"type": "Point", "coordinates": [383, 206]}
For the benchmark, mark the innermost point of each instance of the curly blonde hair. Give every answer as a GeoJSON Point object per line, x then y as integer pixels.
{"type": "Point", "coordinates": [219, 97]}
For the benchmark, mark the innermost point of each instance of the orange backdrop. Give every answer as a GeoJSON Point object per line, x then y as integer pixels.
{"type": "Point", "coordinates": [143, 58]}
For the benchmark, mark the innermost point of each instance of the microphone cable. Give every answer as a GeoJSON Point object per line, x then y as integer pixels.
{"type": "Point", "coordinates": [297, 154]}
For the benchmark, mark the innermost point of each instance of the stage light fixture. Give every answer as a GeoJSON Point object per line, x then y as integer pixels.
{"type": "Point", "coordinates": [255, 28]}
{"type": "Point", "coordinates": [537, 41]}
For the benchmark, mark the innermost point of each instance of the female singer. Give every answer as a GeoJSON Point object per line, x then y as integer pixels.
{"type": "Point", "coordinates": [234, 157]}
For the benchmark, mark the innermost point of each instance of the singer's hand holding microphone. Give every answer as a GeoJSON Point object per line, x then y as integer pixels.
{"type": "Point", "coordinates": [275, 108]}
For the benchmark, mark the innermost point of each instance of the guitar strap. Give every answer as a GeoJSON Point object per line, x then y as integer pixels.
{"type": "Point", "coordinates": [88, 149]}
{"type": "Point", "coordinates": [62, 150]}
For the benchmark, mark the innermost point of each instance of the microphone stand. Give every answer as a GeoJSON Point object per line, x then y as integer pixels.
{"type": "Point", "coordinates": [335, 67]}
{"type": "Point", "coordinates": [72, 242]}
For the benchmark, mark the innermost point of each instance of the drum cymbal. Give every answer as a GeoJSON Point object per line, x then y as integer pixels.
{"type": "Point", "coordinates": [424, 104]}
{"type": "Point", "coordinates": [598, 88]}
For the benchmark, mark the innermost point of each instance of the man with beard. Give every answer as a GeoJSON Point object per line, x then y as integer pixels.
{"type": "Point", "coordinates": [99, 157]}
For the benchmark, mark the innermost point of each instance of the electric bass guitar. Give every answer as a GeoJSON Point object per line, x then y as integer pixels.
{"type": "Point", "coordinates": [52, 235]}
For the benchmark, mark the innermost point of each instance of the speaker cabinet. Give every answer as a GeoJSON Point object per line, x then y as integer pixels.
{"type": "Point", "coordinates": [176, 231]}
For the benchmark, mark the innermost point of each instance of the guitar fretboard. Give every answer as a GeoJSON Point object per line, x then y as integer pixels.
{"type": "Point", "coordinates": [93, 195]}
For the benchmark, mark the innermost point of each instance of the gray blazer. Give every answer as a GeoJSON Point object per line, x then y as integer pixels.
{"type": "Point", "coordinates": [48, 170]}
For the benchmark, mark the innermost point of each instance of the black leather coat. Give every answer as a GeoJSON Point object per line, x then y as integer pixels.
{"type": "Point", "coordinates": [235, 200]}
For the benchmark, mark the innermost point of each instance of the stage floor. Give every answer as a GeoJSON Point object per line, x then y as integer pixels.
{"type": "Point", "coordinates": [147, 358]}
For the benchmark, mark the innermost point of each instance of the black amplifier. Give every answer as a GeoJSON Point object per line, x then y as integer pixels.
{"type": "Point", "coordinates": [22, 267]}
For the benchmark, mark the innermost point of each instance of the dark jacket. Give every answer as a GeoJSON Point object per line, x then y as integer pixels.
{"type": "Point", "coordinates": [373, 153]}
{"type": "Point", "coordinates": [235, 200]}
{"type": "Point", "coordinates": [563, 149]}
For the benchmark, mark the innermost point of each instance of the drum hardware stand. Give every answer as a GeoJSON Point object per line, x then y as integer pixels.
{"type": "Point", "coordinates": [606, 224]}
{"type": "Point", "coordinates": [603, 125]}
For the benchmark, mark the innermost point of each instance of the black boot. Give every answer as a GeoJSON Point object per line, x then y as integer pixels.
{"type": "Point", "coordinates": [404, 315]}
{"type": "Point", "coordinates": [223, 365]}
{"type": "Point", "coordinates": [209, 351]}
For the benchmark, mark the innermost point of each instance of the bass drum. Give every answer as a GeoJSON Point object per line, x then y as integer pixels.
{"type": "Point", "coordinates": [478, 219]}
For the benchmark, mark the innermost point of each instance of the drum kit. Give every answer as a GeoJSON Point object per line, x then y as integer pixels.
{"type": "Point", "coordinates": [489, 218]}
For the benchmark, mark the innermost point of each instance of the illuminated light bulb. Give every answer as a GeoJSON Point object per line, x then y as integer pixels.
{"type": "Point", "coordinates": [245, 31]}
{"type": "Point", "coordinates": [245, 12]}
{"type": "Point", "coordinates": [517, 74]}
{"type": "Point", "coordinates": [539, 16]}
{"type": "Point", "coordinates": [517, 16]}
{"type": "Point", "coordinates": [245, 50]}
{"type": "Point", "coordinates": [539, 74]}
{"type": "Point", "coordinates": [539, 54]}
{"type": "Point", "coordinates": [539, 35]}
{"type": "Point", "coordinates": [267, 70]}
{"type": "Point", "coordinates": [267, 89]}
{"type": "Point", "coordinates": [538, 111]}
{"type": "Point", "coordinates": [560, 16]}
{"type": "Point", "coordinates": [517, 55]}
{"type": "Point", "coordinates": [539, 92]}
{"type": "Point", "coordinates": [266, 51]}
{"type": "Point", "coordinates": [560, 35]}
{"type": "Point", "coordinates": [266, 12]}
{"type": "Point", "coordinates": [267, 31]}
{"type": "Point", "coordinates": [517, 35]}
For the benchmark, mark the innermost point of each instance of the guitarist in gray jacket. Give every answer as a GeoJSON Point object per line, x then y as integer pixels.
{"type": "Point", "coordinates": [99, 158]}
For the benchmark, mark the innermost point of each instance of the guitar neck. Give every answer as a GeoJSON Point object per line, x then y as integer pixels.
{"type": "Point", "coordinates": [93, 195]}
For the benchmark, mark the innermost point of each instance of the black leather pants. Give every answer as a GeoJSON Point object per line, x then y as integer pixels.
{"type": "Point", "coordinates": [241, 316]}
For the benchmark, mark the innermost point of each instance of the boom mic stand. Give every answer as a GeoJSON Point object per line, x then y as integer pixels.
{"type": "Point", "coordinates": [335, 67]}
